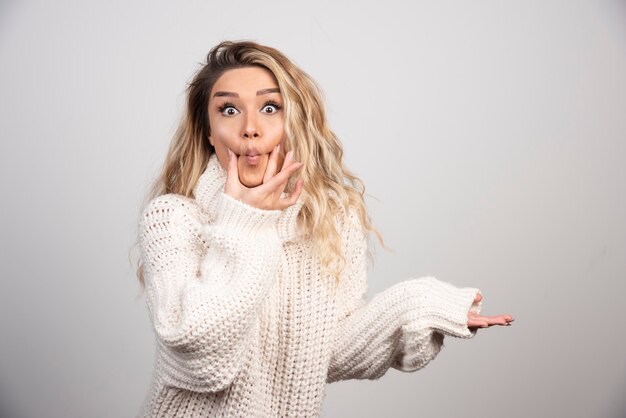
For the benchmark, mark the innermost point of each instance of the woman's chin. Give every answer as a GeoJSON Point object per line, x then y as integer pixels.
{"type": "Point", "coordinates": [250, 182]}
{"type": "Point", "coordinates": [252, 175]}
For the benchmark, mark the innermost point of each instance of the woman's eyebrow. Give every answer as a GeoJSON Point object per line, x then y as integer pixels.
{"type": "Point", "coordinates": [258, 93]}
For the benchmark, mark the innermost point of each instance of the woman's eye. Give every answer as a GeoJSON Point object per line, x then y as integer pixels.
{"type": "Point", "coordinates": [270, 108]}
{"type": "Point", "coordinates": [228, 110]}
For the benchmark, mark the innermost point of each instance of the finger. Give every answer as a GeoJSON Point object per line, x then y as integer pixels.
{"type": "Point", "coordinates": [478, 297]}
{"type": "Point", "coordinates": [232, 173]}
{"type": "Point", "coordinates": [493, 320]}
{"type": "Point", "coordinates": [498, 319]}
{"type": "Point", "coordinates": [508, 318]}
{"type": "Point", "coordinates": [279, 181]}
{"type": "Point", "coordinates": [272, 164]}
{"type": "Point", "coordinates": [293, 167]}
{"type": "Point", "coordinates": [288, 161]}
{"type": "Point", "coordinates": [293, 197]}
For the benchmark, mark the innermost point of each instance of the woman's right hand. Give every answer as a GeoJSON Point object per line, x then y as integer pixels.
{"type": "Point", "coordinates": [265, 196]}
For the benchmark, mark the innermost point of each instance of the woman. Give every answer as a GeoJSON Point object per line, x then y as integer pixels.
{"type": "Point", "coordinates": [253, 255]}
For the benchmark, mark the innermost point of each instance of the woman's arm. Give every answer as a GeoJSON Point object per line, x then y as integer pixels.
{"type": "Point", "coordinates": [402, 327]}
{"type": "Point", "coordinates": [204, 306]}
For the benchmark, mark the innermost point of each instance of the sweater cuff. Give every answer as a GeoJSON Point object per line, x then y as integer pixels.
{"type": "Point", "coordinates": [444, 307]}
{"type": "Point", "coordinates": [240, 218]}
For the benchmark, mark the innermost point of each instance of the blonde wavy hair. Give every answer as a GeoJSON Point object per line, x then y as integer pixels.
{"type": "Point", "coordinates": [307, 134]}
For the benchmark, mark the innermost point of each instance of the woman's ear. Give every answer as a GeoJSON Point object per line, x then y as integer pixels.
{"type": "Point", "coordinates": [211, 140]}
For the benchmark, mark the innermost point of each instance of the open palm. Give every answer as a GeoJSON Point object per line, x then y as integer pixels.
{"type": "Point", "coordinates": [475, 320]}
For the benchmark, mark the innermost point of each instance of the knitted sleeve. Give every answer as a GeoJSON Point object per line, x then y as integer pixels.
{"type": "Point", "coordinates": [402, 327]}
{"type": "Point", "coordinates": [204, 284]}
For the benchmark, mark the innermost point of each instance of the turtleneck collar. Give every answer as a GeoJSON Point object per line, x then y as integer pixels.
{"type": "Point", "coordinates": [212, 182]}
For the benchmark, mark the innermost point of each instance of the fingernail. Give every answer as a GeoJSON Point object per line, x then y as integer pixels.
{"type": "Point", "coordinates": [290, 155]}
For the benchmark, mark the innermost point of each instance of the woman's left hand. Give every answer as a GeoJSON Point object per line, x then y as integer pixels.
{"type": "Point", "coordinates": [475, 320]}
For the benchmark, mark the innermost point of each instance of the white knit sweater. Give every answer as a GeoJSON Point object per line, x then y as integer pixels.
{"type": "Point", "coordinates": [247, 325]}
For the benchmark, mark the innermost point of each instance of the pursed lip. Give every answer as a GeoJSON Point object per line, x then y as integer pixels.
{"type": "Point", "coordinates": [252, 152]}
{"type": "Point", "coordinates": [252, 156]}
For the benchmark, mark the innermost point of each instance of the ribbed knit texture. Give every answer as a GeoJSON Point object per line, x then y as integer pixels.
{"type": "Point", "coordinates": [246, 323]}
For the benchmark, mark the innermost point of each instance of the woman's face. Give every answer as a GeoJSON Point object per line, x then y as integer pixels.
{"type": "Point", "coordinates": [246, 115]}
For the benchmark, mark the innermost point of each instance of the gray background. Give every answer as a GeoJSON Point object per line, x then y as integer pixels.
{"type": "Point", "coordinates": [491, 133]}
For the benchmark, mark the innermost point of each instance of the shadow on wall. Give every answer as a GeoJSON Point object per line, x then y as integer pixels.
{"type": "Point", "coordinates": [7, 410]}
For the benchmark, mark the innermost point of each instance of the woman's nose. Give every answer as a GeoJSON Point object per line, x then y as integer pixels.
{"type": "Point", "coordinates": [250, 128]}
